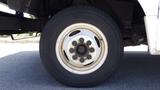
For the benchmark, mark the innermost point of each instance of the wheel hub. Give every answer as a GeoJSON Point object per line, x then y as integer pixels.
{"type": "Point", "coordinates": [82, 50]}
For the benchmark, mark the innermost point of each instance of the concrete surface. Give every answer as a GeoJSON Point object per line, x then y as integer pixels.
{"type": "Point", "coordinates": [24, 71]}
{"type": "Point", "coordinates": [21, 69]}
{"type": "Point", "coordinates": [11, 48]}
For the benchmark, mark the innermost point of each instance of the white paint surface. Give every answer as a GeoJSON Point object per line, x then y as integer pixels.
{"type": "Point", "coordinates": [150, 6]}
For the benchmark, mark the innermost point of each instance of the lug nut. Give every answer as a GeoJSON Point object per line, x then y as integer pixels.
{"type": "Point", "coordinates": [82, 60]}
{"type": "Point", "coordinates": [81, 40]}
{"type": "Point", "coordinates": [71, 50]}
{"type": "Point", "coordinates": [89, 57]}
{"type": "Point", "coordinates": [89, 43]}
{"type": "Point", "coordinates": [75, 57]}
{"type": "Point", "coordinates": [91, 49]}
{"type": "Point", "coordinates": [74, 43]}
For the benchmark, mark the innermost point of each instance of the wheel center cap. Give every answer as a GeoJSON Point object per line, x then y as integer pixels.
{"type": "Point", "coordinates": [81, 50]}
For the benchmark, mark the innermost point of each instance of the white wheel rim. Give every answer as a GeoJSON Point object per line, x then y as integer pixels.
{"type": "Point", "coordinates": [81, 48]}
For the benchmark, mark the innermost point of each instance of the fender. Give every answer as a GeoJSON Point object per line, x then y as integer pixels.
{"type": "Point", "coordinates": [152, 24]}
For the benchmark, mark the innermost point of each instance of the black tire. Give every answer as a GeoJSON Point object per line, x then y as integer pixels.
{"type": "Point", "coordinates": [75, 15]}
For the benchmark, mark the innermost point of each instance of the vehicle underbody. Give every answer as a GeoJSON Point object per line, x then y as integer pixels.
{"type": "Point", "coordinates": [127, 13]}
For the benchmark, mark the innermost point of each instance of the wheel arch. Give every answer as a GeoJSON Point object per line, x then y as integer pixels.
{"type": "Point", "coordinates": [123, 12]}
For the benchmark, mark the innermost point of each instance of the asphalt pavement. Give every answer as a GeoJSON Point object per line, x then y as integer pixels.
{"type": "Point", "coordinates": [24, 71]}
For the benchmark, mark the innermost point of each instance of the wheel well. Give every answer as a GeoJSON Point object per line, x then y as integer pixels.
{"type": "Point", "coordinates": [124, 12]}
{"type": "Point", "coordinates": [128, 14]}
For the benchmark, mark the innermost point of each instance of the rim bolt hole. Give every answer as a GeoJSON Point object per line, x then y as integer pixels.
{"type": "Point", "coordinates": [72, 50]}
{"type": "Point", "coordinates": [89, 57]}
{"type": "Point", "coordinates": [81, 40]}
{"type": "Point", "coordinates": [89, 43]}
{"type": "Point", "coordinates": [91, 49]}
{"type": "Point", "coordinates": [82, 60]}
{"type": "Point", "coordinates": [74, 43]}
{"type": "Point", "coordinates": [75, 57]}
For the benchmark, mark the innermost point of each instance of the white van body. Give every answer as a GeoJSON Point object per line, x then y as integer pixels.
{"type": "Point", "coordinates": [152, 22]}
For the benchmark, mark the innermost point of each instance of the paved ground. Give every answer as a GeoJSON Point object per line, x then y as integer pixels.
{"type": "Point", "coordinates": [24, 71]}
{"type": "Point", "coordinates": [21, 69]}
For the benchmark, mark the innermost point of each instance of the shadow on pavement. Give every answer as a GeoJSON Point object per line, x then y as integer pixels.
{"type": "Point", "coordinates": [24, 71]}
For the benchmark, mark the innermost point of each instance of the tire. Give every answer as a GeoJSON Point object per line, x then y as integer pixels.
{"type": "Point", "coordinates": [79, 74]}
